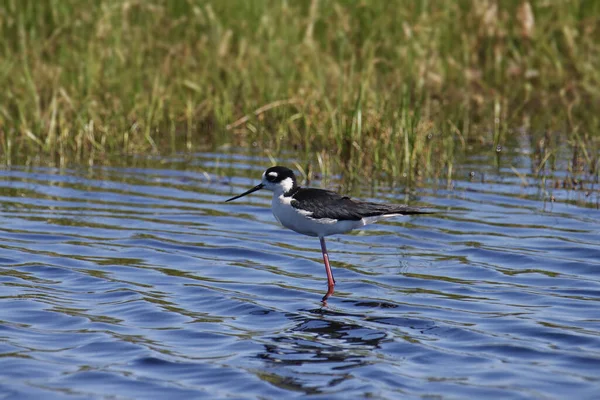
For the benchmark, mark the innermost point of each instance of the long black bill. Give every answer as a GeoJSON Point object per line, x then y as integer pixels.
{"type": "Point", "coordinates": [254, 189]}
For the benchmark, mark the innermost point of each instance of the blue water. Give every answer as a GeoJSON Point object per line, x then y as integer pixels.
{"type": "Point", "coordinates": [139, 282]}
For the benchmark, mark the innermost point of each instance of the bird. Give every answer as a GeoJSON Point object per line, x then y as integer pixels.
{"type": "Point", "coordinates": [319, 212]}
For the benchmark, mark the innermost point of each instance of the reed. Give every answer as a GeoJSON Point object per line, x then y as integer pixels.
{"type": "Point", "coordinates": [392, 89]}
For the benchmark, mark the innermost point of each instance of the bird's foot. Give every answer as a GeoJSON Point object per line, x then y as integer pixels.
{"type": "Point", "coordinates": [330, 290]}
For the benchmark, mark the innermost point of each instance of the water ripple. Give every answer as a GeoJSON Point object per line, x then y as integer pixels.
{"type": "Point", "coordinates": [140, 283]}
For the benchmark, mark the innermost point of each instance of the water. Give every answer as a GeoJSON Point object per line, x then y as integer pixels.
{"type": "Point", "coordinates": [139, 282]}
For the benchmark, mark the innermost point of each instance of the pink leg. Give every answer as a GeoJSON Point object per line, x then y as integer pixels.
{"type": "Point", "coordinates": [330, 280]}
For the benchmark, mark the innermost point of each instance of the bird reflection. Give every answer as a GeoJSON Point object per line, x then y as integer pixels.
{"type": "Point", "coordinates": [318, 338]}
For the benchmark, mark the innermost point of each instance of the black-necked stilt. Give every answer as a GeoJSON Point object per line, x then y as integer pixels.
{"type": "Point", "coordinates": [318, 212]}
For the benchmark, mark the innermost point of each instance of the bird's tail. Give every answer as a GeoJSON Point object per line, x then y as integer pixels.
{"type": "Point", "coordinates": [377, 212]}
{"type": "Point", "coordinates": [405, 210]}
{"type": "Point", "coordinates": [384, 210]}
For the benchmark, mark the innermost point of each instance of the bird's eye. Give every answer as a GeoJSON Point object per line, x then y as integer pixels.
{"type": "Point", "coordinates": [271, 176]}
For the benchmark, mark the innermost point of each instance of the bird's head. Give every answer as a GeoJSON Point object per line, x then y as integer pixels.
{"type": "Point", "coordinates": [279, 180]}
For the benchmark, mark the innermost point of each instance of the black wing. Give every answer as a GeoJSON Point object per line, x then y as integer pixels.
{"type": "Point", "coordinates": [327, 204]}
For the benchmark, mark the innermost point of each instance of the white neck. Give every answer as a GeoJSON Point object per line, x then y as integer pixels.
{"type": "Point", "coordinates": [284, 186]}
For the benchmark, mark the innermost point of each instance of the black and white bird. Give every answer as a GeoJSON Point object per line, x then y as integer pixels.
{"type": "Point", "coordinates": [318, 212]}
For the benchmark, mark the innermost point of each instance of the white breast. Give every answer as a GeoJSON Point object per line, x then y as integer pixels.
{"type": "Point", "coordinates": [301, 221]}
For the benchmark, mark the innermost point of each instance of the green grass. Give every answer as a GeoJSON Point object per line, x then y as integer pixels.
{"type": "Point", "coordinates": [396, 89]}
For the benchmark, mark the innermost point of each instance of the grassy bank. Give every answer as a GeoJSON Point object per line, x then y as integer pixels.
{"type": "Point", "coordinates": [394, 87]}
